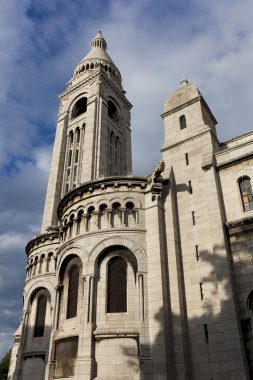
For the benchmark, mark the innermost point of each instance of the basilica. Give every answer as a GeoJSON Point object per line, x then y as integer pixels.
{"type": "Point", "coordinates": [139, 278]}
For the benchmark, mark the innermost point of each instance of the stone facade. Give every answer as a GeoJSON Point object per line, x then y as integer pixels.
{"type": "Point", "coordinates": [139, 277]}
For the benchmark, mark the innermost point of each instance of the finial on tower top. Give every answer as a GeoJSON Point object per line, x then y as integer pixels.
{"type": "Point", "coordinates": [184, 81]}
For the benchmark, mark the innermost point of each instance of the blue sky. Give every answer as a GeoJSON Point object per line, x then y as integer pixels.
{"type": "Point", "coordinates": [154, 45]}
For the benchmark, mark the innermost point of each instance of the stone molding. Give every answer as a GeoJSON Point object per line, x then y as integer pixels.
{"type": "Point", "coordinates": [239, 222]}
{"type": "Point", "coordinates": [234, 160]}
{"type": "Point", "coordinates": [100, 184]}
{"type": "Point", "coordinates": [104, 332]}
{"type": "Point", "coordinates": [41, 240]}
{"type": "Point", "coordinates": [96, 76]}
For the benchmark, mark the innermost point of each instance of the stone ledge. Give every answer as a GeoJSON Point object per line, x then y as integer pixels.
{"type": "Point", "coordinates": [239, 222]}
{"type": "Point", "coordinates": [35, 352]}
{"type": "Point", "coordinates": [102, 184]}
{"type": "Point", "coordinates": [41, 239]}
{"type": "Point", "coordinates": [110, 332]}
{"type": "Point", "coordinates": [232, 161]}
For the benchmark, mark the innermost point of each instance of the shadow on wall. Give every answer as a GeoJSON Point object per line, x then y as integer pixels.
{"type": "Point", "coordinates": [211, 348]}
{"type": "Point", "coordinates": [32, 355]}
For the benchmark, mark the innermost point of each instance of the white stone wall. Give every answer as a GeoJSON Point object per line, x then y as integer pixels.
{"type": "Point", "coordinates": [206, 293]}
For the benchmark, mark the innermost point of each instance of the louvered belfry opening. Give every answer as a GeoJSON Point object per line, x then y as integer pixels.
{"type": "Point", "coordinates": [117, 285]}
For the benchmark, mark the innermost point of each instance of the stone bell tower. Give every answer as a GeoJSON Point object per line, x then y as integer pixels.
{"type": "Point", "coordinates": [93, 129]}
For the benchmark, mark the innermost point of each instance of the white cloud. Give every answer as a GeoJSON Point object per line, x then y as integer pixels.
{"type": "Point", "coordinates": [11, 241]}
{"type": "Point", "coordinates": [43, 158]}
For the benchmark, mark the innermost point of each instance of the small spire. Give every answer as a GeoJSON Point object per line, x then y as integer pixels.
{"type": "Point", "coordinates": [184, 81]}
{"type": "Point", "coordinates": [99, 41]}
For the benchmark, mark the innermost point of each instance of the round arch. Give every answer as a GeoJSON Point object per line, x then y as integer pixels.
{"type": "Point", "coordinates": [68, 105]}
{"type": "Point", "coordinates": [132, 246]}
{"type": "Point", "coordinates": [113, 100]}
{"type": "Point", "coordinates": [70, 250]}
{"type": "Point", "coordinates": [38, 285]}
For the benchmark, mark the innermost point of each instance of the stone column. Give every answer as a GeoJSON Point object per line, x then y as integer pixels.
{"type": "Point", "coordinates": [17, 375]}
{"type": "Point", "coordinates": [141, 296]}
{"type": "Point", "coordinates": [91, 301]}
{"type": "Point", "coordinates": [59, 289]}
{"type": "Point", "coordinates": [85, 359]}
{"type": "Point", "coordinates": [49, 373]}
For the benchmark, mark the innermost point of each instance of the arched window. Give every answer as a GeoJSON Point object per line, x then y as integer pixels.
{"type": "Point", "coordinates": [73, 277]}
{"type": "Point", "coordinates": [79, 107]}
{"type": "Point", "coordinates": [40, 316]}
{"type": "Point", "coordinates": [117, 285]}
{"type": "Point", "coordinates": [246, 193]}
{"type": "Point", "coordinates": [182, 121]}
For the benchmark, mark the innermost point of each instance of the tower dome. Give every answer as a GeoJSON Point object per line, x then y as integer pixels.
{"type": "Point", "coordinates": [97, 57]}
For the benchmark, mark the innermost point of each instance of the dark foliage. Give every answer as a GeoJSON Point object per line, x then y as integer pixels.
{"type": "Point", "coordinates": [4, 366]}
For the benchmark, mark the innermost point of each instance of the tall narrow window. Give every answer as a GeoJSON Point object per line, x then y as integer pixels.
{"type": "Point", "coordinates": [72, 292]}
{"type": "Point", "coordinates": [40, 316]}
{"type": "Point", "coordinates": [78, 135]}
{"type": "Point", "coordinates": [71, 137]}
{"type": "Point", "coordinates": [187, 159]}
{"type": "Point", "coordinates": [201, 291]}
{"type": "Point", "coordinates": [246, 194]}
{"type": "Point", "coordinates": [190, 187]}
{"type": "Point", "coordinates": [117, 285]}
{"type": "Point", "coordinates": [76, 156]}
{"type": "Point", "coordinates": [116, 156]}
{"type": "Point", "coordinates": [111, 153]}
{"type": "Point", "coordinates": [206, 333]}
{"type": "Point", "coordinates": [70, 158]}
{"type": "Point", "coordinates": [193, 218]}
{"type": "Point", "coordinates": [182, 121]}
{"type": "Point", "coordinates": [197, 252]}
{"type": "Point", "coordinates": [250, 301]}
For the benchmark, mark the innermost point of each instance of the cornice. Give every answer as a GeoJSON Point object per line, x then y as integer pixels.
{"type": "Point", "coordinates": [235, 160]}
{"type": "Point", "coordinates": [97, 75]}
{"type": "Point", "coordinates": [42, 238]}
{"type": "Point", "coordinates": [239, 222]}
{"type": "Point", "coordinates": [102, 184]}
